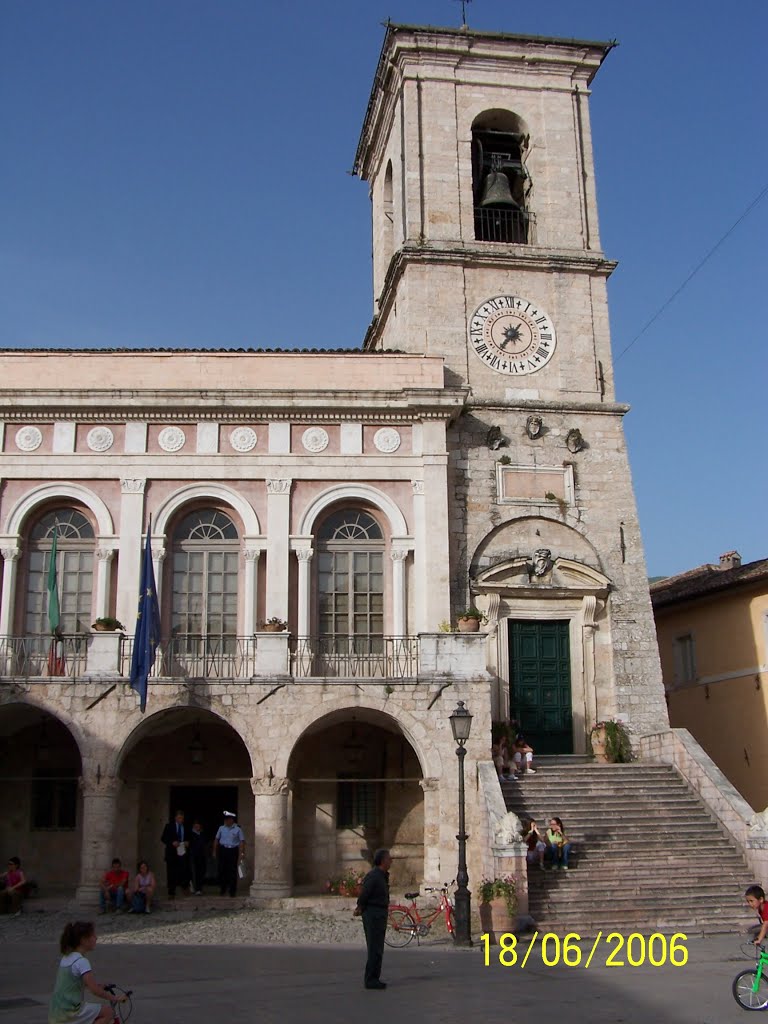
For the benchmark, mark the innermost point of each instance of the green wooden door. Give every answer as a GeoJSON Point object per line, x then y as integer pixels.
{"type": "Point", "coordinates": [540, 684]}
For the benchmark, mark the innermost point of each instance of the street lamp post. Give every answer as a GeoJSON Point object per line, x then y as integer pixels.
{"type": "Point", "coordinates": [461, 723]}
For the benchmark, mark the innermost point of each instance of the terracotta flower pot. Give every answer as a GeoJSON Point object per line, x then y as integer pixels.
{"type": "Point", "coordinates": [272, 627]}
{"type": "Point", "coordinates": [467, 624]}
{"type": "Point", "coordinates": [496, 919]}
{"type": "Point", "coordinates": [99, 627]}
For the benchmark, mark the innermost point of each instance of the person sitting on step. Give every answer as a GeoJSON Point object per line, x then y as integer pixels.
{"type": "Point", "coordinates": [144, 886]}
{"type": "Point", "coordinates": [13, 890]}
{"type": "Point", "coordinates": [503, 761]}
{"type": "Point", "coordinates": [522, 755]}
{"type": "Point", "coordinates": [559, 846]}
{"type": "Point", "coordinates": [536, 844]}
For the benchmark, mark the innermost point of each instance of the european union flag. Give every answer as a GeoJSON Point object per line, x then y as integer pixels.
{"type": "Point", "coordinates": [147, 626]}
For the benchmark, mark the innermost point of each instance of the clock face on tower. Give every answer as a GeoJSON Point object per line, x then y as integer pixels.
{"type": "Point", "coordinates": [512, 335]}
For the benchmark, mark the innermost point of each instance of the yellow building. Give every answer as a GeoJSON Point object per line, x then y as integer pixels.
{"type": "Point", "coordinates": [712, 624]}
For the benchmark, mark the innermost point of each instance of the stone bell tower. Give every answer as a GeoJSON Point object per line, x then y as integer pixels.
{"type": "Point", "coordinates": [486, 251]}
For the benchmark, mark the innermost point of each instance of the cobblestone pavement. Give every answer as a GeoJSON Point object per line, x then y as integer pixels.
{"type": "Point", "coordinates": [184, 971]}
{"type": "Point", "coordinates": [195, 927]}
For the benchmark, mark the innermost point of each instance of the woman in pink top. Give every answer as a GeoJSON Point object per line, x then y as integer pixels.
{"type": "Point", "coordinates": [143, 890]}
{"type": "Point", "coordinates": [13, 892]}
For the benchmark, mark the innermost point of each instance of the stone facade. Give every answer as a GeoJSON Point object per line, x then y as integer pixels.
{"type": "Point", "coordinates": [413, 467]}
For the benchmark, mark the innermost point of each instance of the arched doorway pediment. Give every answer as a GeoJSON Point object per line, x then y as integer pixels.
{"type": "Point", "coordinates": [563, 577]}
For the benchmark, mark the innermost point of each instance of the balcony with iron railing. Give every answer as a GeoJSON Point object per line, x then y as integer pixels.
{"type": "Point", "coordinates": [246, 659]}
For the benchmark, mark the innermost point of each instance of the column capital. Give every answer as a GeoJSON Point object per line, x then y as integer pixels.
{"type": "Point", "coordinates": [158, 554]}
{"type": "Point", "coordinates": [304, 554]}
{"type": "Point", "coordinates": [429, 785]}
{"type": "Point", "coordinates": [398, 554]}
{"type": "Point", "coordinates": [10, 554]}
{"type": "Point", "coordinates": [270, 786]}
{"type": "Point", "coordinates": [279, 486]}
{"type": "Point", "coordinates": [133, 486]}
{"type": "Point", "coordinates": [105, 554]}
{"type": "Point", "coordinates": [251, 554]}
{"type": "Point", "coordinates": [418, 486]}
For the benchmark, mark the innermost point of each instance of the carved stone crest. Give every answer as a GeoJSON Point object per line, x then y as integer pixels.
{"type": "Point", "coordinates": [542, 561]}
{"type": "Point", "coordinates": [533, 426]}
{"type": "Point", "coordinates": [574, 442]}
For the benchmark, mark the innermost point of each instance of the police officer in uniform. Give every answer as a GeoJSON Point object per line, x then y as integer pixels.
{"type": "Point", "coordinates": [229, 847]}
{"type": "Point", "coordinates": [373, 907]}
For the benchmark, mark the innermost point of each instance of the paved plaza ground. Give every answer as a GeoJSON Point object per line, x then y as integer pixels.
{"type": "Point", "coordinates": [320, 984]}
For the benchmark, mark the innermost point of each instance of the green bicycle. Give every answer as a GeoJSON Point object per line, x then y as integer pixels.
{"type": "Point", "coordinates": [750, 988]}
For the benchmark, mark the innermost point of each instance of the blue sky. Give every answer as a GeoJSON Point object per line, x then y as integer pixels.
{"type": "Point", "coordinates": [175, 174]}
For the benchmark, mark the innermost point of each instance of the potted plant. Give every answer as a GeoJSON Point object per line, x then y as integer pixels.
{"type": "Point", "coordinates": [274, 625]}
{"type": "Point", "coordinates": [610, 742]}
{"type": "Point", "coordinates": [107, 624]}
{"type": "Point", "coordinates": [469, 621]}
{"type": "Point", "coordinates": [348, 885]}
{"type": "Point", "coordinates": [498, 905]}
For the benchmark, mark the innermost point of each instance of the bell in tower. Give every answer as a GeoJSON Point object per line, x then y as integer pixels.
{"type": "Point", "coordinates": [499, 216]}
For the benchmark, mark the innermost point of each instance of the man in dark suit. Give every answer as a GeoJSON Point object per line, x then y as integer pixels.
{"type": "Point", "coordinates": [176, 841]}
{"type": "Point", "coordinates": [373, 907]}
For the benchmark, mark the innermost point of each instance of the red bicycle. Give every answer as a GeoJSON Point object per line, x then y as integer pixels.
{"type": "Point", "coordinates": [405, 922]}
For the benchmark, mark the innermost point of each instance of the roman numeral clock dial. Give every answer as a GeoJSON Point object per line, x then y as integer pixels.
{"type": "Point", "coordinates": [512, 335]}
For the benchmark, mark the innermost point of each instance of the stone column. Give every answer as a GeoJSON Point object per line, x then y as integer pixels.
{"type": "Point", "coordinates": [272, 841]}
{"type": "Point", "coordinates": [251, 556]}
{"type": "Point", "coordinates": [304, 555]}
{"type": "Point", "coordinates": [99, 802]}
{"type": "Point", "coordinates": [437, 593]}
{"type": "Point", "coordinates": [129, 568]}
{"type": "Point", "coordinates": [431, 788]}
{"type": "Point", "coordinates": [420, 581]}
{"type": "Point", "coordinates": [278, 529]}
{"type": "Point", "coordinates": [104, 558]}
{"type": "Point", "coordinates": [158, 558]}
{"type": "Point", "coordinates": [398, 556]}
{"type": "Point", "coordinates": [588, 626]}
{"type": "Point", "coordinates": [8, 597]}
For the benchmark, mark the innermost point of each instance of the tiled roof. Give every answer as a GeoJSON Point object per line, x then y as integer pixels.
{"type": "Point", "coordinates": [705, 580]}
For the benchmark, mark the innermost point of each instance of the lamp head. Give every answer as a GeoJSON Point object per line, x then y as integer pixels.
{"type": "Point", "coordinates": [461, 723]}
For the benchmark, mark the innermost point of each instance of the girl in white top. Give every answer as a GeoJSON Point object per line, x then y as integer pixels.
{"type": "Point", "coordinates": [74, 976]}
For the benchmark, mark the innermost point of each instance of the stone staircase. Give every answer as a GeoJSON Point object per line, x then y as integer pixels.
{"type": "Point", "coordinates": [648, 854]}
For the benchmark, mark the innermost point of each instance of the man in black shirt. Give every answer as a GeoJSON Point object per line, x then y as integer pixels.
{"type": "Point", "coordinates": [373, 906]}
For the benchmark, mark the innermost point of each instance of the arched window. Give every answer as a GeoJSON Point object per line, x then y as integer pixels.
{"type": "Point", "coordinates": [75, 545]}
{"type": "Point", "coordinates": [350, 577]}
{"type": "Point", "coordinates": [206, 553]}
{"type": "Point", "coordinates": [500, 180]}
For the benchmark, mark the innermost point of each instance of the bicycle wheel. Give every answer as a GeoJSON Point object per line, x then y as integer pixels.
{"type": "Point", "coordinates": [400, 927]}
{"type": "Point", "coordinates": [744, 994]}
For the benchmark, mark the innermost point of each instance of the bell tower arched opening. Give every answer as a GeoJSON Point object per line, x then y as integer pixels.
{"type": "Point", "coordinates": [501, 183]}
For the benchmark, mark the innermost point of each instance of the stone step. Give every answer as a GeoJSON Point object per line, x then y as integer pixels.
{"type": "Point", "coordinates": [578, 888]}
{"type": "Point", "coordinates": [690, 925]}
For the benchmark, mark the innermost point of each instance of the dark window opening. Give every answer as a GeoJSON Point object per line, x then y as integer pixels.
{"type": "Point", "coordinates": [54, 804]}
{"type": "Point", "coordinates": [356, 803]}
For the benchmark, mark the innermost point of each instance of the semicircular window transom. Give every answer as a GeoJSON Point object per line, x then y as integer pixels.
{"type": "Point", "coordinates": [350, 525]}
{"type": "Point", "coordinates": [66, 523]}
{"type": "Point", "coordinates": [206, 524]}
